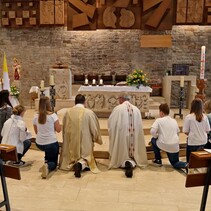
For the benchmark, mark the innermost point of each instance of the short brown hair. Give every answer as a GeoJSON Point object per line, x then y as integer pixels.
{"type": "Point", "coordinates": [17, 110]}
{"type": "Point", "coordinates": [164, 108]}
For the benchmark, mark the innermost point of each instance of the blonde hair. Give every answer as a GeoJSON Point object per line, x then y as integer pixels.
{"type": "Point", "coordinates": [17, 110]}
{"type": "Point", "coordinates": [44, 109]}
{"type": "Point", "coordinates": [207, 106]}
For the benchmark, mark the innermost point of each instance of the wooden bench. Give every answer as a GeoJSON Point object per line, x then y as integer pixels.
{"type": "Point", "coordinates": [200, 159]}
{"type": "Point", "coordinates": [105, 154]}
{"type": "Point", "coordinates": [7, 152]}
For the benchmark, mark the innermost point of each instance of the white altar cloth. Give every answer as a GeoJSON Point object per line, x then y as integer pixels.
{"type": "Point", "coordinates": [110, 88]}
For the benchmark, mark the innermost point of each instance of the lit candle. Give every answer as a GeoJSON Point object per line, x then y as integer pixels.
{"type": "Point", "coordinates": [202, 68]}
{"type": "Point", "coordinates": [42, 85]}
{"type": "Point", "coordinates": [182, 78]}
{"type": "Point", "coordinates": [51, 80]}
{"type": "Point", "coordinates": [86, 81]}
{"type": "Point", "coordinates": [101, 81]}
{"type": "Point", "coordinates": [94, 81]}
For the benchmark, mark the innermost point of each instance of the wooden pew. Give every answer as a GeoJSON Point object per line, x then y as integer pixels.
{"type": "Point", "coordinates": [7, 152]}
{"type": "Point", "coordinates": [200, 159]}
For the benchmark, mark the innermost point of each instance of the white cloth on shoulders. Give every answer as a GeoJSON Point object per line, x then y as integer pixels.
{"type": "Point", "coordinates": [126, 136]}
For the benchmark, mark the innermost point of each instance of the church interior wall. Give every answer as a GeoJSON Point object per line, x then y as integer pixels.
{"type": "Point", "coordinates": [101, 52]}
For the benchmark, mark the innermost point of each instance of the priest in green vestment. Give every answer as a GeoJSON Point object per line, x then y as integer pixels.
{"type": "Point", "coordinates": [81, 130]}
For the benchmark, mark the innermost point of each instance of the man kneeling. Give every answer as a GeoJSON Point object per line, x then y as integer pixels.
{"type": "Point", "coordinates": [126, 137]}
{"type": "Point", "coordinates": [80, 130]}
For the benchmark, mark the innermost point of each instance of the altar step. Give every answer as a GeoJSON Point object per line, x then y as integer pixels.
{"type": "Point", "coordinates": [154, 102]}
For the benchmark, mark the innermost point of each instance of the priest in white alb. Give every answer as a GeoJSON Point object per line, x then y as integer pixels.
{"type": "Point", "coordinates": [81, 130]}
{"type": "Point", "coordinates": [126, 137]}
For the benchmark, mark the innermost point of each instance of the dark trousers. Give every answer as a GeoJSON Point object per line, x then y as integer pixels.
{"type": "Point", "coordinates": [192, 148]}
{"type": "Point", "coordinates": [26, 146]}
{"type": "Point", "coordinates": [51, 154]}
{"type": "Point", "coordinates": [173, 157]}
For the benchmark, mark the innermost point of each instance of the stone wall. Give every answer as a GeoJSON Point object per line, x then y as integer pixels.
{"type": "Point", "coordinates": [101, 51]}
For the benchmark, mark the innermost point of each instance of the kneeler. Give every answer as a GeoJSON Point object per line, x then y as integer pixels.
{"type": "Point", "coordinates": [7, 153]}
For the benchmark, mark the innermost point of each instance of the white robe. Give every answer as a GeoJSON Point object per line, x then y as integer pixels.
{"type": "Point", "coordinates": [126, 136]}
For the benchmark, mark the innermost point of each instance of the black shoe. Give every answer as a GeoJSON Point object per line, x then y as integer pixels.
{"type": "Point", "coordinates": [77, 169]}
{"type": "Point", "coordinates": [157, 162]}
{"type": "Point", "coordinates": [128, 169]}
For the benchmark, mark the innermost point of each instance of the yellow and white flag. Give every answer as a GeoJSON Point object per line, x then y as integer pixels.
{"type": "Point", "coordinates": [6, 80]}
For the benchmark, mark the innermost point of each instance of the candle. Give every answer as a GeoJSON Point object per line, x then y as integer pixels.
{"type": "Point", "coordinates": [93, 81]}
{"type": "Point", "coordinates": [86, 81]}
{"type": "Point", "coordinates": [51, 80]}
{"type": "Point", "coordinates": [182, 78]}
{"type": "Point", "coordinates": [101, 81]}
{"type": "Point", "coordinates": [202, 68]}
{"type": "Point", "coordinates": [42, 85]}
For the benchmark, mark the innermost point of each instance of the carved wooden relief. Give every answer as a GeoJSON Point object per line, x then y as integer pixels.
{"type": "Point", "coordinates": [59, 12]}
{"type": "Point", "coordinates": [81, 15]}
{"type": "Point", "coordinates": [119, 14]}
{"type": "Point", "coordinates": [47, 12]}
{"type": "Point", "coordinates": [15, 13]}
{"type": "Point", "coordinates": [157, 15]}
{"type": "Point", "coordinates": [190, 11]}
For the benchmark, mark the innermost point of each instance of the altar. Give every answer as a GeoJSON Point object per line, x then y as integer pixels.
{"type": "Point", "coordinates": [102, 99]}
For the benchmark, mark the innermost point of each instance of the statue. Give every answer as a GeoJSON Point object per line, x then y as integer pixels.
{"type": "Point", "coordinates": [16, 69]}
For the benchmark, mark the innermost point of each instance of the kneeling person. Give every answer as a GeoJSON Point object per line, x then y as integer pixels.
{"type": "Point", "coordinates": [165, 132]}
{"type": "Point", "coordinates": [80, 130]}
{"type": "Point", "coordinates": [126, 137]}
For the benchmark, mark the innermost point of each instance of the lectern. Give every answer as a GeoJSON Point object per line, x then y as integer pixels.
{"type": "Point", "coordinates": [200, 159]}
{"type": "Point", "coordinates": [7, 152]}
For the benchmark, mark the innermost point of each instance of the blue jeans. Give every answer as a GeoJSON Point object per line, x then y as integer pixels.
{"type": "Point", "coordinates": [26, 146]}
{"type": "Point", "coordinates": [51, 154]}
{"type": "Point", "coordinates": [192, 148]}
{"type": "Point", "coordinates": [173, 157]}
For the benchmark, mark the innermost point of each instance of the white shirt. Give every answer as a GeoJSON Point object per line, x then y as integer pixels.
{"type": "Point", "coordinates": [197, 131]}
{"type": "Point", "coordinates": [14, 132]}
{"type": "Point", "coordinates": [46, 132]}
{"type": "Point", "coordinates": [166, 129]}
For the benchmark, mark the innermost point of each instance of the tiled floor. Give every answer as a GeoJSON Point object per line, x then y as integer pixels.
{"type": "Point", "coordinates": [152, 188]}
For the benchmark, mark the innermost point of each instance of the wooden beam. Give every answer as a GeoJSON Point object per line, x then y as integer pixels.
{"type": "Point", "coordinates": [147, 4]}
{"type": "Point", "coordinates": [157, 16]}
{"type": "Point", "coordinates": [156, 41]}
{"type": "Point", "coordinates": [86, 8]}
{"type": "Point", "coordinates": [80, 20]}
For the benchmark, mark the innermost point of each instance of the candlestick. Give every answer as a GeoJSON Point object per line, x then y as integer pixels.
{"type": "Point", "coordinates": [181, 98]}
{"type": "Point", "coordinates": [51, 80]}
{"type": "Point", "coordinates": [86, 82]}
{"type": "Point", "coordinates": [202, 68]}
{"type": "Point", "coordinates": [42, 88]}
{"type": "Point", "coordinates": [93, 82]}
{"type": "Point", "coordinates": [101, 82]}
{"type": "Point", "coordinates": [182, 78]}
{"type": "Point", "coordinates": [52, 100]}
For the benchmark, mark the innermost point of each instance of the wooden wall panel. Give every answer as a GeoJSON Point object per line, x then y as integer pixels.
{"type": "Point", "coordinates": [156, 41]}
{"type": "Point", "coordinates": [76, 19]}
{"type": "Point", "coordinates": [181, 11]}
{"type": "Point", "coordinates": [59, 12]}
{"type": "Point", "coordinates": [159, 16]}
{"type": "Point", "coordinates": [47, 12]}
{"type": "Point", "coordinates": [119, 15]}
{"type": "Point", "coordinates": [17, 13]}
{"type": "Point", "coordinates": [195, 11]}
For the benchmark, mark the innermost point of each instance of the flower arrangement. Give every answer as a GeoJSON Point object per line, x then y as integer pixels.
{"type": "Point", "coordinates": [14, 91]}
{"type": "Point", "coordinates": [137, 77]}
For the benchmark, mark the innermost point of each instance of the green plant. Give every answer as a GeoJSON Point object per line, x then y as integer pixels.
{"type": "Point", "coordinates": [137, 77]}
{"type": "Point", "coordinates": [14, 91]}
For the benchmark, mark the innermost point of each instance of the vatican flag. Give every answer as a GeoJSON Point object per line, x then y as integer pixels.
{"type": "Point", "coordinates": [6, 80]}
